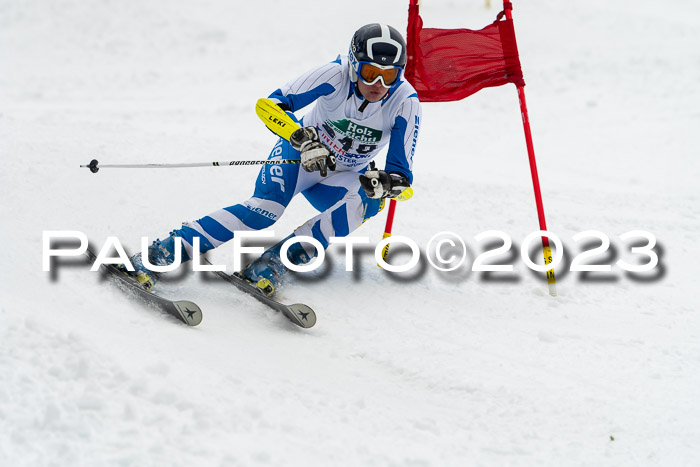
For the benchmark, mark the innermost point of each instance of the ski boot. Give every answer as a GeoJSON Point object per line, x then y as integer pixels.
{"type": "Point", "coordinates": [266, 272]}
{"type": "Point", "coordinates": [143, 276]}
{"type": "Point", "coordinates": [160, 253]}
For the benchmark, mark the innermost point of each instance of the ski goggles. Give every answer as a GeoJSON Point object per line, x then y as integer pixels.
{"type": "Point", "coordinates": [370, 73]}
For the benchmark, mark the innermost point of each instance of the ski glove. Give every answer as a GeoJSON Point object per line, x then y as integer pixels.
{"type": "Point", "coordinates": [314, 154]}
{"type": "Point", "coordinates": [379, 184]}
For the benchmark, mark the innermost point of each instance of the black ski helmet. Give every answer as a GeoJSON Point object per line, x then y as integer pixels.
{"type": "Point", "coordinates": [376, 43]}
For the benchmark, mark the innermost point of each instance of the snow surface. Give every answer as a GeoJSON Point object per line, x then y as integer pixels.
{"type": "Point", "coordinates": [411, 369]}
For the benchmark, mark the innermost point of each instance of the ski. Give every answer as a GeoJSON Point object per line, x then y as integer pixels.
{"type": "Point", "coordinates": [299, 314]}
{"type": "Point", "coordinates": [184, 310]}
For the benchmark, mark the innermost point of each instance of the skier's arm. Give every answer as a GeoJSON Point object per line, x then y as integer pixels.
{"type": "Point", "coordinates": [404, 136]}
{"type": "Point", "coordinates": [398, 173]}
{"type": "Point", "coordinates": [308, 87]}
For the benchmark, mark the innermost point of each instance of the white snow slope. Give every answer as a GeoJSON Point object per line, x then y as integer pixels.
{"type": "Point", "coordinates": [408, 369]}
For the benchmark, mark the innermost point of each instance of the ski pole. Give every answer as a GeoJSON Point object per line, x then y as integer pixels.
{"type": "Point", "coordinates": [275, 119]}
{"type": "Point", "coordinates": [94, 167]}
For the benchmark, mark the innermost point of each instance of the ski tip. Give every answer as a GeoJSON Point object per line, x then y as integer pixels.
{"type": "Point", "coordinates": [190, 313]}
{"type": "Point", "coordinates": [302, 315]}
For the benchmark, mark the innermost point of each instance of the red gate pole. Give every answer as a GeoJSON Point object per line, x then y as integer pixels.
{"type": "Point", "coordinates": [546, 250]}
{"type": "Point", "coordinates": [389, 225]}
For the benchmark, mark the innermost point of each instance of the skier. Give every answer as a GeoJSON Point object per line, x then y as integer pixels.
{"type": "Point", "coordinates": [362, 103]}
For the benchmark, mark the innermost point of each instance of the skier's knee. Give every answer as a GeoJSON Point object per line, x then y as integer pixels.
{"type": "Point", "coordinates": [371, 207]}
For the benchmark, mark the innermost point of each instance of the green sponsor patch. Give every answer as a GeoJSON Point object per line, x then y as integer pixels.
{"type": "Point", "coordinates": [357, 132]}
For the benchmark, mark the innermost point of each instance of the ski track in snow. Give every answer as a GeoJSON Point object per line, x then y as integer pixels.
{"type": "Point", "coordinates": [411, 369]}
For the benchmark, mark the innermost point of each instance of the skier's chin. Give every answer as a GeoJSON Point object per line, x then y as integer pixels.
{"type": "Point", "coordinates": [375, 96]}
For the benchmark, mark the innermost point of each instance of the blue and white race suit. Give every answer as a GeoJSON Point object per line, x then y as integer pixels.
{"type": "Point", "coordinates": [355, 137]}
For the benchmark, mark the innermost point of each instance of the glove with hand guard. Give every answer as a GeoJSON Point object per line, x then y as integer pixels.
{"type": "Point", "coordinates": [380, 184]}
{"type": "Point", "coordinates": [314, 154]}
